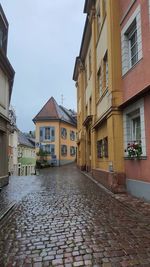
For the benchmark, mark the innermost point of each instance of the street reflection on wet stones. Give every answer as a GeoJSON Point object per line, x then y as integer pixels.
{"type": "Point", "coordinates": [62, 218]}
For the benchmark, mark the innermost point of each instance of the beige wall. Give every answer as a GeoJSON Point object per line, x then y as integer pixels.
{"type": "Point", "coordinates": [102, 44]}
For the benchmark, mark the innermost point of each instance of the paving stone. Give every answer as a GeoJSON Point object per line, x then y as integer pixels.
{"type": "Point", "coordinates": [64, 219]}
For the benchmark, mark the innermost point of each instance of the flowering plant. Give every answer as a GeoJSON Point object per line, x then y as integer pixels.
{"type": "Point", "coordinates": [134, 149]}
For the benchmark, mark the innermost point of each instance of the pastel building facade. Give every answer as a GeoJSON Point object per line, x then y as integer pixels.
{"type": "Point", "coordinates": [26, 155]}
{"type": "Point", "coordinates": [135, 83]}
{"type": "Point", "coordinates": [6, 83]}
{"type": "Point", "coordinates": [99, 94]}
{"type": "Point", "coordinates": [113, 94]}
{"type": "Point", "coordinates": [56, 133]}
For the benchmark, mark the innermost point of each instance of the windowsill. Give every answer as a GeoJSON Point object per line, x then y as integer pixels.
{"type": "Point", "coordinates": [46, 141]}
{"type": "Point", "coordinates": [102, 158]}
{"type": "Point", "coordinates": [131, 68]}
{"type": "Point", "coordinates": [135, 158]}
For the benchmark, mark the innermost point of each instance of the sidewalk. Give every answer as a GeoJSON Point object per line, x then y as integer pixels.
{"type": "Point", "coordinates": [136, 205]}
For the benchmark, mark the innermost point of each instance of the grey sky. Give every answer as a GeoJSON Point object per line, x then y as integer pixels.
{"type": "Point", "coordinates": [44, 39]}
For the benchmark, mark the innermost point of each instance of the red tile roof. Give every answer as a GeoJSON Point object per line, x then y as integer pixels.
{"type": "Point", "coordinates": [52, 111]}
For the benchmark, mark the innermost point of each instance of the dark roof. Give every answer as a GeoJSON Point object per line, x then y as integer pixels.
{"type": "Point", "coordinates": [52, 111]}
{"type": "Point", "coordinates": [24, 140]}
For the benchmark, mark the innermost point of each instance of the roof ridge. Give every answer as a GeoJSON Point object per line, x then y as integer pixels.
{"type": "Point", "coordinates": [56, 104]}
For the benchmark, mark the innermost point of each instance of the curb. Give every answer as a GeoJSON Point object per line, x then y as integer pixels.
{"type": "Point", "coordinates": [5, 212]}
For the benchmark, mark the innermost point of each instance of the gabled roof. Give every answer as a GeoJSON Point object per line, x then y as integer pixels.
{"type": "Point", "coordinates": [52, 111]}
{"type": "Point", "coordinates": [24, 141]}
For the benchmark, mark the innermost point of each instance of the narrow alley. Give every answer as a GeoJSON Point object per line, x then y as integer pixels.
{"type": "Point", "coordinates": [62, 218]}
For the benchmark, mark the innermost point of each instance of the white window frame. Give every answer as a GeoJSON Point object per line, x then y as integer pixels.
{"type": "Point", "coordinates": [63, 133]}
{"type": "Point", "coordinates": [135, 44]}
{"type": "Point", "coordinates": [72, 151]}
{"type": "Point", "coordinates": [72, 135]}
{"type": "Point", "coordinates": [126, 57]}
{"type": "Point", "coordinates": [64, 150]}
{"type": "Point", "coordinates": [127, 124]}
{"type": "Point", "coordinates": [134, 137]}
{"type": "Point", "coordinates": [51, 147]}
{"type": "Point", "coordinates": [43, 131]}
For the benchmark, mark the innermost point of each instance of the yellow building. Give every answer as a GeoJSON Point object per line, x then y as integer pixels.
{"type": "Point", "coordinates": [56, 133]}
{"type": "Point", "coordinates": [97, 74]}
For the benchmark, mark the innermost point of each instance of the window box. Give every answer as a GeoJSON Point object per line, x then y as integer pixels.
{"type": "Point", "coordinates": [134, 149]}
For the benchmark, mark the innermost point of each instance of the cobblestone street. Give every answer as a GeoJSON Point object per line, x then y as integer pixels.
{"type": "Point", "coordinates": [62, 218]}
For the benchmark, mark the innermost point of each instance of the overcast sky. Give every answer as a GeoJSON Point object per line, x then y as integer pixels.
{"type": "Point", "coordinates": [44, 39]}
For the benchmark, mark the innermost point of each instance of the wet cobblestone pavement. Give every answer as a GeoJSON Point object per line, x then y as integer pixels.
{"type": "Point", "coordinates": [63, 219]}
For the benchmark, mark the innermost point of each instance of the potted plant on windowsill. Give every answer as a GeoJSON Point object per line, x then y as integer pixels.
{"type": "Point", "coordinates": [134, 150]}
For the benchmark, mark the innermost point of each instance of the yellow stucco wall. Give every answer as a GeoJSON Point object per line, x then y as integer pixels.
{"type": "Point", "coordinates": [104, 107]}
{"type": "Point", "coordinates": [48, 124]}
{"type": "Point", "coordinates": [67, 141]}
{"type": "Point", "coordinates": [58, 139]}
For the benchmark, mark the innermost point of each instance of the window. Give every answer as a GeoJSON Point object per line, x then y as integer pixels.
{"type": "Point", "coordinates": [90, 65]}
{"type": "Point", "coordinates": [98, 20]}
{"type": "Point", "coordinates": [136, 129]}
{"type": "Point", "coordinates": [72, 151]}
{"type": "Point", "coordinates": [63, 150]}
{"type": "Point", "coordinates": [102, 148]}
{"type": "Point", "coordinates": [100, 84]}
{"type": "Point", "coordinates": [99, 149]}
{"type": "Point", "coordinates": [90, 104]}
{"type": "Point", "coordinates": [47, 133]}
{"type": "Point", "coordinates": [105, 71]}
{"type": "Point", "coordinates": [49, 149]}
{"type": "Point", "coordinates": [134, 125]}
{"type": "Point", "coordinates": [133, 44]}
{"type": "Point", "coordinates": [63, 133]}
{"type": "Point", "coordinates": [85, 76]}
{"type": "Point", "coordinates": [72, 135]}
{"type": "Point", "coordinates": [105, 144]}
{"type": "Point", "coordinates": [131, 41]}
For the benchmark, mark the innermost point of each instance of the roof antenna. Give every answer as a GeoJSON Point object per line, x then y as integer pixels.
{"type": "Point", "coordinates": [62, 99]}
